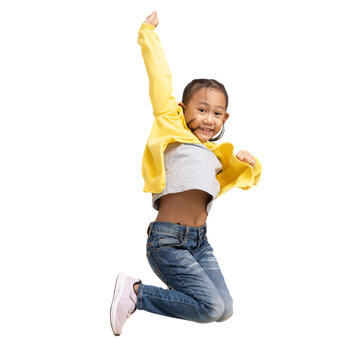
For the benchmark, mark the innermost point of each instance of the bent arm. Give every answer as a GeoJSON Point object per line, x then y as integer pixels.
{"type": "Point", "coordinates": [234, 172]}
{"type": "Point", "coordinates": [160, 79]}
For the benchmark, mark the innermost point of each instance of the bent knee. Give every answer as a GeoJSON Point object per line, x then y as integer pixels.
{"type": "Point", "coordinates": [213, 311]}
{"type": "Point", "coordinates": [226, 315]}
{"type": "Point", "coordinates": [228, 311]}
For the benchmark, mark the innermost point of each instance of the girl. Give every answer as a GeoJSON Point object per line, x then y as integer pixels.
{"type": "Point", "coordinates": [185, 171]}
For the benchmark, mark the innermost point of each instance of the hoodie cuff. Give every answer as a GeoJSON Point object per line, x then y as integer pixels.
{"type": "Point", "coordinates": [146, 26]}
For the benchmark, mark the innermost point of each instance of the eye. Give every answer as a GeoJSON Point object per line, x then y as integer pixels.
{"type": "Point", "coordinates": [218, 114]}
{"type": "Point", "coordinates": [202, 110]}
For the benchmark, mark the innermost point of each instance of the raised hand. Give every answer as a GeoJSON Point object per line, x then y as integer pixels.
{"type": "Point", "coordinates": [152, 19]}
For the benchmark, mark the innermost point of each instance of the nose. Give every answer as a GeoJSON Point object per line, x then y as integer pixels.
{"type": "Point", "coordinates": [208, 119]}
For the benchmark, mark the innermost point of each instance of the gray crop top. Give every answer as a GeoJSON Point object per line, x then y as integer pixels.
{"type": "Point", "coordinates": [189, 166]}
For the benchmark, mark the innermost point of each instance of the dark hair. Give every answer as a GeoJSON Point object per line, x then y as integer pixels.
{"type": "Point", "coordinates": [198, 84]}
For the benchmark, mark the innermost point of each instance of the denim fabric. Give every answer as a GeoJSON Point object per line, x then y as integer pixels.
{"type": "Point", "coordinates": [183, 259]}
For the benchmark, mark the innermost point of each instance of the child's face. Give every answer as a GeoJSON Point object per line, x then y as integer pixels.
{"type": "Point", "coordinates": [205, 113]}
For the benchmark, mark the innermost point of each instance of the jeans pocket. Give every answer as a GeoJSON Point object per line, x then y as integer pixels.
{"type": "Point", "coordinates": [169, 241]}
{"type": "Point", "coordinates": [163, 239]}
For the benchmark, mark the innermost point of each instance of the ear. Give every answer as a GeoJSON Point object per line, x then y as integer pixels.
{"type": "Point", "coordinates": [182, 105]}
{"type": "Point", "coordinates": [226, 117]}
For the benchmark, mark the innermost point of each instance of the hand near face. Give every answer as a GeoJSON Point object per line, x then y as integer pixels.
{"type": "Point", "coordinates": [246, 157]}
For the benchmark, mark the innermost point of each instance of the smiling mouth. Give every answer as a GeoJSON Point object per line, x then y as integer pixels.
{"type": "Point", "coordinates": [206, 130]}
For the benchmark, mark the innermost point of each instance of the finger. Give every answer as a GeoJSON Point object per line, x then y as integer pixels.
{"type": "Point", "coordinates": [241, 153]}
{"type": "Point", "coordinates": [246, 159]}
{"type": "Point", "coordinates": [250, 160]}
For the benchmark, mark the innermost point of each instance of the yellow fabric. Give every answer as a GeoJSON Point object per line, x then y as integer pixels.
{"type": "Point", "coordinates": [169, 126]}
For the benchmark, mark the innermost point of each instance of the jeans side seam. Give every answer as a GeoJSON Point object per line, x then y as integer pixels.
{"type": "Point", "coordinates": [181, 280]}
{"type": "Point", "coordinates": [158, 273]}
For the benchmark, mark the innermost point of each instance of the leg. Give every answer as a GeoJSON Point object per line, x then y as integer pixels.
{"type": "Point", "coordinates": [207, 260]}
{"type": "Point", "coordinates": [193, 295]}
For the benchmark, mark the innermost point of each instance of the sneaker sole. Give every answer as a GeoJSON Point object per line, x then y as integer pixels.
{"type": "Point", "coordinates": [119, 287]}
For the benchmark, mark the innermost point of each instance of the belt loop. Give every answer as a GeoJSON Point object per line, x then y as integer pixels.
{"type": "Point", "coordinates": [198, 238]}
{"type": "Point", "coordinates": [186, 232]}
{"type": "Point", "coordinates": [202, 232]}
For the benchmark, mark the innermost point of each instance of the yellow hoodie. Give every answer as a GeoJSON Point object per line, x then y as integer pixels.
{"type": "Point", "coordinates": [169, 126]}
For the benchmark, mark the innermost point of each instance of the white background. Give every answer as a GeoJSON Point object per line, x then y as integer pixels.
{"type": "Point", "coordinates": [75, 117]}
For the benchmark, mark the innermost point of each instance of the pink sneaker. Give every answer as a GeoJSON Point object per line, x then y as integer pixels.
{"type": "Point", "coordinates": [123, 303]}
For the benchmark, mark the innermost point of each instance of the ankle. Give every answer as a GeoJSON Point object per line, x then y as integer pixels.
{"type": "Point", "coordinates": [136, 286]}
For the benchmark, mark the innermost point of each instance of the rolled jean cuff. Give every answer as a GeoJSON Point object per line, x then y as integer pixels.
{"type": "Point", "coordinates": [140, 296]}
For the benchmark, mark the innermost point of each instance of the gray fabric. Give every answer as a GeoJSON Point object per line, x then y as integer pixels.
{"type": "Point", "coordinates": [189, 166]}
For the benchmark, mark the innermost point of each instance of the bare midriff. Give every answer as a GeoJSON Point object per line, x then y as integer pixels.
{"type": "Point", "coordinates": [185, 208]}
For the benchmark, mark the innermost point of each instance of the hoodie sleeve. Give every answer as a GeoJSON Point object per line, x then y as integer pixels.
{"type": "Point", "coordinates": [235, 173]}
{"type": "Point", "coordinates": [160, 80]}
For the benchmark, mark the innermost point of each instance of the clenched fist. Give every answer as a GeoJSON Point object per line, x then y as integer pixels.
{"type": "Point", "coordinates": [246, 157]}
{"type": "Point", "coordinates": [152, 19]}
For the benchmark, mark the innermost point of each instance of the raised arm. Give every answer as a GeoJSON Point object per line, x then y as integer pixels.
{"type": "Point", "coordinates": [160, 79]}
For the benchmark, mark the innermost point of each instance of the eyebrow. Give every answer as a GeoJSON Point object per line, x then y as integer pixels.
{"type": "Point", "coordinates": [205, 103]}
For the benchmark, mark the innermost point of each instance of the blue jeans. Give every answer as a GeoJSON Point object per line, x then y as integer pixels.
{"type": "Point", "coordinates": [183, 259]}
